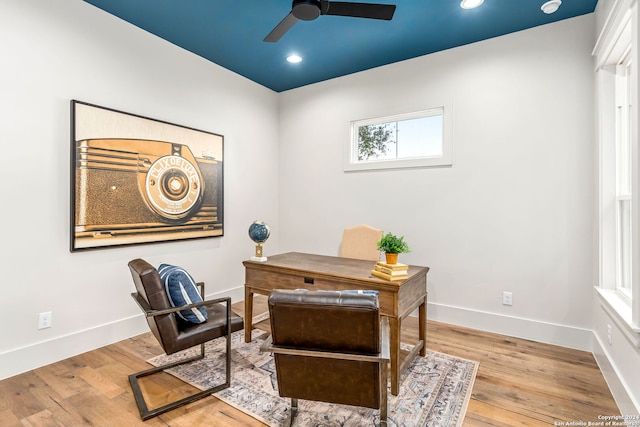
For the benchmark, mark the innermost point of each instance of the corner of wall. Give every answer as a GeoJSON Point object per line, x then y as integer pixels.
{"type": "Point", "coordinates": [618, 358]}
{"type": "Point", "coordinates": [618, 390]}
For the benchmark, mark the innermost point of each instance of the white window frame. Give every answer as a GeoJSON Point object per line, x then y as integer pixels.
{"type": "Point", "coordinates": [624, 168]}
{"type": "Point", "coordinates": [352, 163]}
{"type": "Point", "coordinates": [618, 42]}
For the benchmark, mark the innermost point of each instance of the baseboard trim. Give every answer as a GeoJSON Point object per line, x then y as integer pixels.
{"type": "Point", "coordinates": [23, 359]}
{"type": "Point", "coordinates": [618, 387]}
{"type": "Point", "coordinates": [535, 330]}
{"type": "Point", "coordinates": [19, 360]}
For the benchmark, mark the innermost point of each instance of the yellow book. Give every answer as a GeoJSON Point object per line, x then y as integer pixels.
{"type": "Point", "coordinates": [398, 266]}
{"type": "Point", "coordinates": [381, 275]}
{"type": "Point", "coordinates": [391, 272]}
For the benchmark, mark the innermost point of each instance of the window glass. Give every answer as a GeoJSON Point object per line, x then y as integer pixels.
{"type": "Point", "coordinates": [624, 247]}
{"type": "Point", "coordinates": [623, 176]}
{"type": "Point", "coordinates": [417, 139]}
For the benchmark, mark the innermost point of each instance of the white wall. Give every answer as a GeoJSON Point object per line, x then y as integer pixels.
{"type": "Point", "coordinates": [516, 210]}
{"type": "Point", "coordinates": [53, 52]}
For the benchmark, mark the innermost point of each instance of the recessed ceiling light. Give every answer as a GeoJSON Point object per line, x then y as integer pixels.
{"type": "Point", "coordinates": [294, 59]}
{"type": "Point", "coordinates": [551, 6]}
{"type": "Point", "coordinates": [470, 4]}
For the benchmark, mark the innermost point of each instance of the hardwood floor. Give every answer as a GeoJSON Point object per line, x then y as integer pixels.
{"type": "Point", "coordinates": [519, 383]}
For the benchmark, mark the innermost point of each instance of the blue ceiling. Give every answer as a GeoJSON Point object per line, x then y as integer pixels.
{"type": "Point", "coordinates": [230, 33]}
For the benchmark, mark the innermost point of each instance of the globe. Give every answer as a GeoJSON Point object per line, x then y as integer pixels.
{"type": "Point", "coordinates": [259, 232]}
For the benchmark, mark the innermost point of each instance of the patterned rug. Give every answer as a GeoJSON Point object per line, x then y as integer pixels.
{"type": "Point", "coordinates": [434, 390]}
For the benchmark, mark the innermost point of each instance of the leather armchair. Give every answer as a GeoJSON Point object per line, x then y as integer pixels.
{"type": "Point", "coordinates": [175, 335]}
{"type": "Point", "coordinates": [329, 347]}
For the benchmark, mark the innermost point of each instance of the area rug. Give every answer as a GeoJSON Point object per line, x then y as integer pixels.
{"type": "Point", "coordinates": [434, 390]}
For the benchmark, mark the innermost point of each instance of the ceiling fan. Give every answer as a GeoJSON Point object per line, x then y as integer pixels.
{"type": "Point", "coordinates": [308, 10]}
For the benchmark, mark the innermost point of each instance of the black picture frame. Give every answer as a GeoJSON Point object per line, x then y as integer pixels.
{"type": "Point", "coordinates": [137, 180]}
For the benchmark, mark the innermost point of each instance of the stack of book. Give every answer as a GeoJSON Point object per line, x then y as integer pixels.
{"type": "Point", "coordinates": [390, 271]}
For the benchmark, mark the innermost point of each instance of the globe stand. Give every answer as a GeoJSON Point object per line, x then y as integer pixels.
{"type": "Point", "coordinates": [258, 257]}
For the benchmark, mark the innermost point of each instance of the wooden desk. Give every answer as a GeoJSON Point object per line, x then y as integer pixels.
{"type": "Point", "coordinates": [305, 271]}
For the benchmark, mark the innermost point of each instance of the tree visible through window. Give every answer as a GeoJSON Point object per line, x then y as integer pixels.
{"type": "Point", "coordinates": [374, 140]}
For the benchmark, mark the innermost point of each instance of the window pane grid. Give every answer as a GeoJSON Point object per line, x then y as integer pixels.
{"type": "Point", "coordinates": [407, 137]}
{"type": "Point", "coordinates": [623, 129]}
{"type": "Point", "coordinates": [623, 179]}
{"type": "Point", "coordinates": [420, 139]}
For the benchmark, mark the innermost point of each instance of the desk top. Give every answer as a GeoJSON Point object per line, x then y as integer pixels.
{"type": "Point", "coordinates": [330, 266]}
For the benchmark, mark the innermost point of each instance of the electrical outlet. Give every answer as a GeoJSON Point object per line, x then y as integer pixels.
{"type": "Point", "coordinates": [507, 298]}
{"type": "Point", "coordinates": [44, 320]}
{"type": "Point", "coordinates": [609, 334]}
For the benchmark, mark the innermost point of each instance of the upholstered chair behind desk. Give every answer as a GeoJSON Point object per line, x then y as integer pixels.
{"type": "Point", "coordinates": [330, 347]}
{"type": "Point", "coordinates": [359, 242]}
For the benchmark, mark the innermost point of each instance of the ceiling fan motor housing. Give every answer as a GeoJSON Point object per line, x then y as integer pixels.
{"type": "Point", "coordinates": [306, 10]}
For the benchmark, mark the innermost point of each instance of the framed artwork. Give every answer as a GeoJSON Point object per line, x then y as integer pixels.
{"type": "Point", "coordinates": [138, 180]}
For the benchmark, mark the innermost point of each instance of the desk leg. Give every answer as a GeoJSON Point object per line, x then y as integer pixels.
{"type": "Point", "coordinates": [394, 344]}
{"type": "Point", "coordinates": [422, 327]}
{"type": "Point", "coordinates": [248, 313]}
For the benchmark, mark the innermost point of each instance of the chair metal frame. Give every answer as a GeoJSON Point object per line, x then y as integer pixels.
{"type": "Point", "coordinates": [382, 359]}
{"type": "Point", "coordinates": [145, 412]}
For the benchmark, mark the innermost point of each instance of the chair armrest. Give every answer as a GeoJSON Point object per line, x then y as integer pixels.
{"type": "Point", "coordinates": [385, 351]}
{"type": "Point", "coordinates": [383, 356]}
{"type": "Point", "coordinates": [149, 312]}
{"type": "Point", "coordinates": [201, 286]}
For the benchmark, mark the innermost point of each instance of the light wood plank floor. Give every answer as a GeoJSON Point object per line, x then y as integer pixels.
{"type": "Point", "coordinates": [519, 383]}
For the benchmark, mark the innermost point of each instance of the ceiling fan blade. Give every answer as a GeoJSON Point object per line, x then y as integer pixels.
{"type": "Point", "coordinates": [280, 29]}
{"type": "Point", "coordinates": [359, 10]}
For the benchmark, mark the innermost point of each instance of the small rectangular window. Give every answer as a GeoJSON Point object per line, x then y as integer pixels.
{"type": "Point", "coordinates": [420, 139]}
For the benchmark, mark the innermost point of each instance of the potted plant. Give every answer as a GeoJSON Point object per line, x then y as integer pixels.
{"type": "Point", "coordinates": [392, 245]}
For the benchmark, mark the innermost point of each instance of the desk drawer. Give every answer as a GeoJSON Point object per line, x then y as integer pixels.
{"type": "Point", "coordinates": [270, 280]}
{"type": "Point", "coordinates": [265, 281]}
